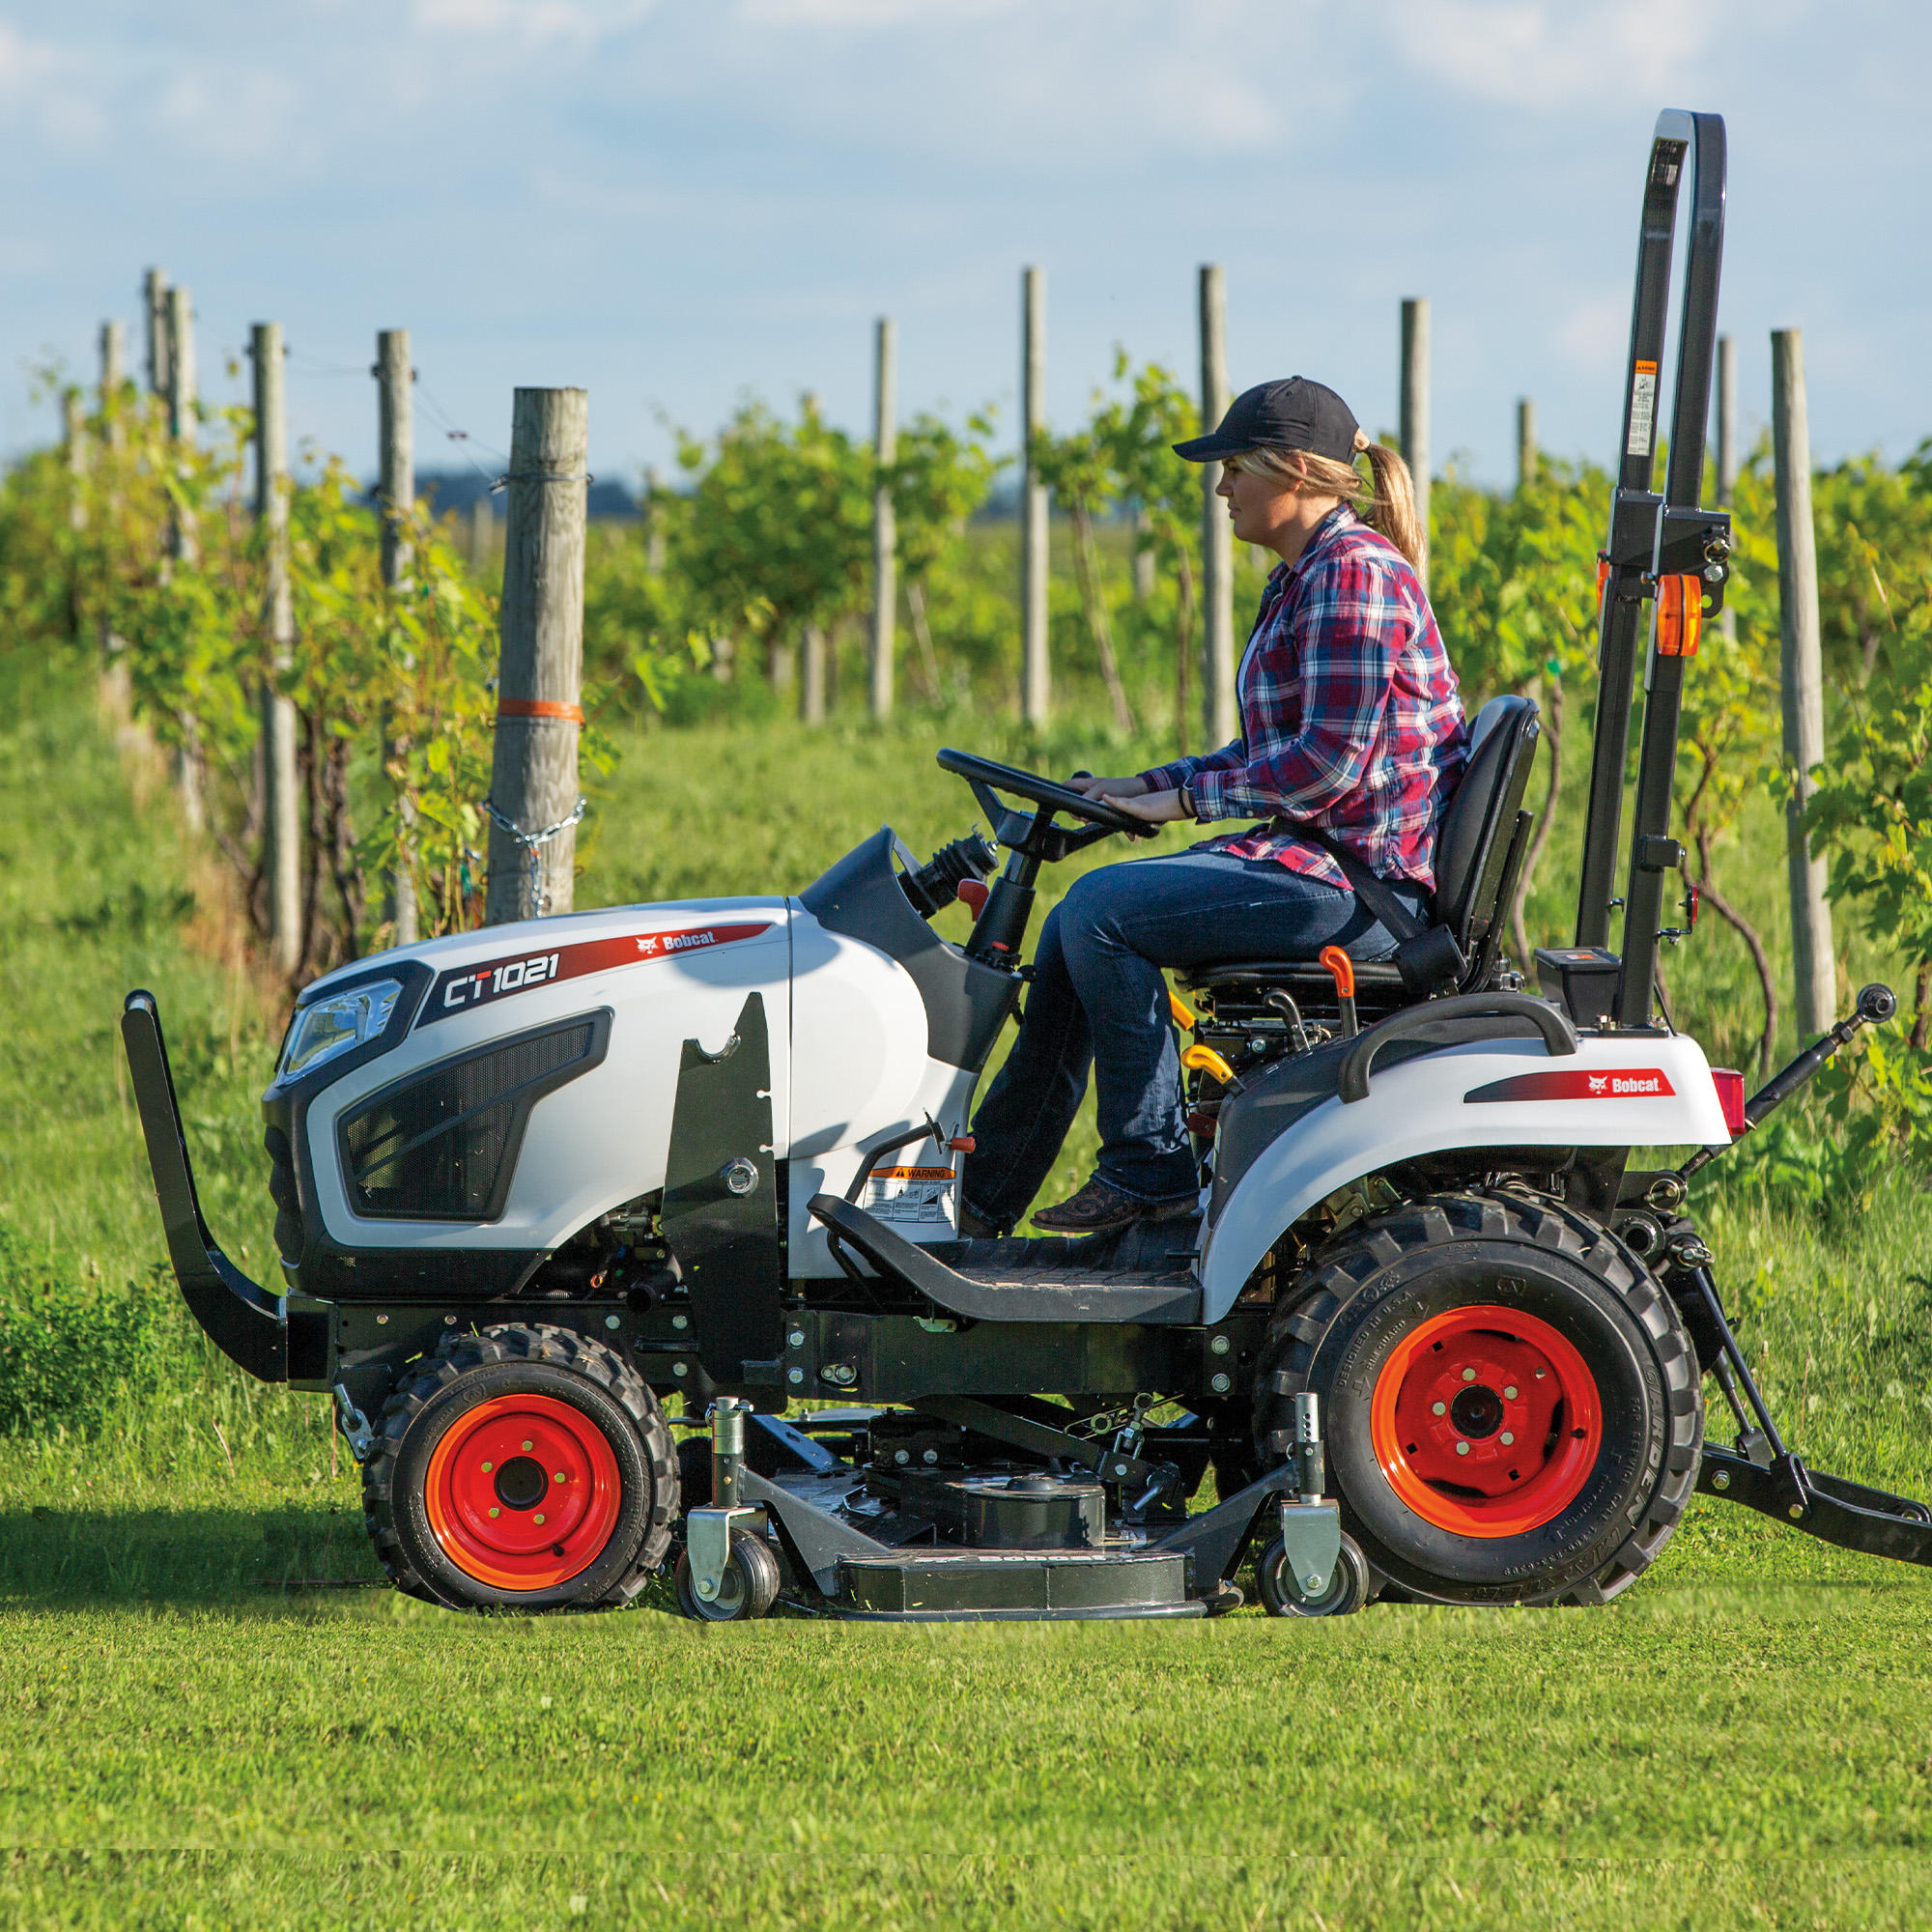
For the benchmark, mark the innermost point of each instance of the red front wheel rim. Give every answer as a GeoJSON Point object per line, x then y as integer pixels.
{"type": "Point", "coordinates": [523, 1492]}
{"type": "Point", "coordinates": [1486, 1421]}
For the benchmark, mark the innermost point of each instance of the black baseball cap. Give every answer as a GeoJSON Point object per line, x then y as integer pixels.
{"type": "Point", "coordinates": [1294, 414]}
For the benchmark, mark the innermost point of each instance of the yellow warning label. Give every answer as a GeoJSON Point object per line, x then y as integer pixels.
{"type": "Point", "coordinates": [1643, 408]}
{"type": "Point", "coordinates": [912, 1174]}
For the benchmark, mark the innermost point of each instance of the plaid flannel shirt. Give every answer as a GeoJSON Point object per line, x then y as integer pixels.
{"type": "Point", "coordinates": [1351, 716]}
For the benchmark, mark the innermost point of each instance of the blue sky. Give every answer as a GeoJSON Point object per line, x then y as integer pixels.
{"type": "Point", "coordinates": [675, 203]}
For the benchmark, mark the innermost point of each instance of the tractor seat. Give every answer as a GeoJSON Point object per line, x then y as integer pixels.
{"type": "Point", "coordinates": [1479, 848]}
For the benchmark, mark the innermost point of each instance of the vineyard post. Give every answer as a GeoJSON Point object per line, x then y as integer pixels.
{"type": "Point", "coordinates": [1802, 681]}
{"type": "Point", "coordinates": [654, 523]}
{"type": "Point", "coordinates": [183, 544]}
{"type": "Point", "coordinates": [1525, 443]}
{"type": "Point", "coordinates": [1727, 452]}
{"type": "Point", "coordinates": [113, 374]}
{"type": "Point", "coordinates": [1415, 411]}
{"type": "Point", "coordinates": [482, 516]}
{"type": "Point", "coordinates": [155, 302]}
{"type": "Point", "coordinates": [280, 776]}
{"type": "Point", "coordinates": [396, 494]}
{"type": "Point", "coordinates": [811, 678]}
{"type": "Point", "coordinates": [535, 803]}
{"type": "Point", "coordinates": [1217, 538]}
{"type": "Point", "coordinates": [1036, 683]}
{"type": "Point", "coordinates": [75, 444]}
{"type": "Point", "coordinates": [884, 526]}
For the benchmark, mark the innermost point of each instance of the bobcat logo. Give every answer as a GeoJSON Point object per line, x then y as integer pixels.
{"type": "Point", "coordinates": [1599, 1082]}
{"type": "Point", "coordinates": [648, 946]}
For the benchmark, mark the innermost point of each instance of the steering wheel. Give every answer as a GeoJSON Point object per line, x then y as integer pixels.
{"type": "Point", "coordinates": [1038, 836]}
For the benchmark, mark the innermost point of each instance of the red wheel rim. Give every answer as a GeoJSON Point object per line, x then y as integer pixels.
{"type": "Point", "coordinates": [523, 1492]}
{"type": "Point", "coordinates": [1486, 1421]}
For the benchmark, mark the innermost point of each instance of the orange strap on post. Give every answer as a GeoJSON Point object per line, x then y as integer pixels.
{"type": "Point", "coordinates": [1680, 615]}
{"type": "Point", "coordinates": [539, 707]}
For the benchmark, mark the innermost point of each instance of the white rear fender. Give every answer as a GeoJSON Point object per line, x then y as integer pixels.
{"type": "Point", "coordinates": [1612, 1091]}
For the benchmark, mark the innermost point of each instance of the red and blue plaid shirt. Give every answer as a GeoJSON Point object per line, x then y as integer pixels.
{"type": "Point", "coordinates": [1351, 716]}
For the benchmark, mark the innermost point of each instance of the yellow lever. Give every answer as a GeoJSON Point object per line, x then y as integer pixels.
{"type": "Point", "coordinates": [1208, 1061]}
{"type": "Point", "coordinates": [1184, 1014]}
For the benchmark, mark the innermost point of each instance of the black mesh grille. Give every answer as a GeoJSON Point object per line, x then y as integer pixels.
{"type": "Point", "coordinates": [442, 1147]}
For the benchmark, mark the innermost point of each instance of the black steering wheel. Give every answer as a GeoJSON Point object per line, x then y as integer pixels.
{"type": "Point", "coordinates": [1037, 836]}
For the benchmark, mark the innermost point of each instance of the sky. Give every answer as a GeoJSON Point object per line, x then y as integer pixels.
{"type": "Point", "coordinates": [678, 204]}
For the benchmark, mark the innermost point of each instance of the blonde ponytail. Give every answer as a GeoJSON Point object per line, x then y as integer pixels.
{"type": "Point", "coordinates": [1385, 501]}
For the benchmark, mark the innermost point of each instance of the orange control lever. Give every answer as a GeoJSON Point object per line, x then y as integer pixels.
{"type": "Point", "coordinates": [973, 894]}
{"type": "Point", "coordinates": [1341, 970]}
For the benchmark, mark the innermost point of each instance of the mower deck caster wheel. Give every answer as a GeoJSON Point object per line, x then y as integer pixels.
{"type": "Point", "coordinates": [749, 1588]}
{"type": "Point", "coordinates": [1347, 1592]}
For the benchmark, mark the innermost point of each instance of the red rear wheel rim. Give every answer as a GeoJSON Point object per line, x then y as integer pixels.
{"type": "Point", "coordinates": [523, 1492]}
{"type": "Point", "coordinates": [1486, 1421]}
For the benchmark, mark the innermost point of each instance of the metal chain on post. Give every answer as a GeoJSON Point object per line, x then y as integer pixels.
{"type": "Point", "coordinates": [536, 900]}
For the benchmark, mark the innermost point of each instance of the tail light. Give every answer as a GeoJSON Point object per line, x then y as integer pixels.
{"type": "Point", "coordinates": [1730, 1086]}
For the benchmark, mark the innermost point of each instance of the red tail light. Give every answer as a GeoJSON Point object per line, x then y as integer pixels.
{"type": "Point", "coordinates": [1730, 1086]}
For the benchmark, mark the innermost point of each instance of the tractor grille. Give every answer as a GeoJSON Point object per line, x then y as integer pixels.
{"type": "Point", "coordinates": [442, 1146]}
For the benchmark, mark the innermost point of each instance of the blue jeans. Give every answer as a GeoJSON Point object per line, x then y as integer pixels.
{"type": "Point", "coordinates": [1097, 999]}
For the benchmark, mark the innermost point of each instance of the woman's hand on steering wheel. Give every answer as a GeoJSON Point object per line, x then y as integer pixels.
{"type": "Point", "coordinates": [1133, 797]}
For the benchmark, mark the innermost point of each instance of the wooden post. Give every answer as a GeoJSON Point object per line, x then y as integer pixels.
{"type": "Point", "coordinates": [154, 300]}
{"type": "Point", "coordinates": [482, 528]}
{"type": "Point", "coordinates": [654, 523]}
{"type": "Point", "coordinates": [885, 523]}
{"type": "Point", "coordinates": [535, 803]}
{"type": "Point", "coordinates": [1218, 718]}
{"type": "Point", "coordinates": [281, 857]}
{"type": "Point", "coordinates": [1525, 441]}
{"type": "Point", "coordinates": [1728, 419]}
{"type": "Point", "coordinates": [182, 540]}
{"type": "Point", "coordinates": [1144, 558]}
{"type": "Point", "coordinates": [1035, 678]}
{"type": "Point", "coordinates": [813, 683]}
{"type": "Point", "coordinates": [77, 450]}
{"type": "Point", "coordinates": [113, 375]}
{"type": "Point", "coordinates": [1803, 682]}
{"type": "Point", "coordinates": [1415, 408]}
{"type": "Point", "coordinates": [396, 495]}
{"type": "Point", "coordinates": [1727, 452]}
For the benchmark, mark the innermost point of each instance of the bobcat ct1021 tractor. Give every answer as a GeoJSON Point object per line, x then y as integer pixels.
{"type": "Point", "coordinates": [550, 1192]}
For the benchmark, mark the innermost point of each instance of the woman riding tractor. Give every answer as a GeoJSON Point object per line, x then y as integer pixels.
{"type": "Point", "coordinates": [1350, 721]}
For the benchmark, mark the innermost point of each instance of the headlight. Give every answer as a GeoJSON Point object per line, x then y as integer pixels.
{"type": "Point", "coordinates": [335, 1024]}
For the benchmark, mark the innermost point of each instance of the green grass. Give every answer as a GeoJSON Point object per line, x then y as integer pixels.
{"type": "Point", "coordinates": [188, 1739]}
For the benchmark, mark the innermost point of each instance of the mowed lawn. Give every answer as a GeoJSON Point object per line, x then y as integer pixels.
{"type": "Point", "coordinates": [189, 1737]}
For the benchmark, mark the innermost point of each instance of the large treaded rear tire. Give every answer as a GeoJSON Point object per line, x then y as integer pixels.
{"type": "Point", "coordinates": [1360, 1304]}
{"type": "Point", "coordinates": [611, 1404]}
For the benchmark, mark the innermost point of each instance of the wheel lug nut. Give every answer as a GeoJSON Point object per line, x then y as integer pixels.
{"type": "Point", "coordinates": [1438, 1409]}
{"type": "Point", "coordinates": [1509, 1394]}
{"type": "Point", "coordinates": [528, 1445]}
{"type": "Point", "coordinates": [1461, 1448]}
{"type": "Point", "coordinates": [538, 1517]}
{"type": "Point", "coordinates": [488, 1466]}
{"type": "Point", "coordinates": [1468, 1376]}
{"type": "Point", "coordinates": [560, 1476]}
{"type": "Point", "coordinates": [496, 1512]}
{"type": "Point", "coordinates": [1508, 1438]}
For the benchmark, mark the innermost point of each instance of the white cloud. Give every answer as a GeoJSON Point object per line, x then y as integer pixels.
{"type": "Point", "coordinates": [582, 22]}
{"type": "Point", "coordinates": [1550, 54]}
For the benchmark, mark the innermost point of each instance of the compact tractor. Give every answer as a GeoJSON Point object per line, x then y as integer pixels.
{"type": "Point", "coordinates": [549, 1194]}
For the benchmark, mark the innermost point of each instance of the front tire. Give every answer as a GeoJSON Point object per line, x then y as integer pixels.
{"type": "Point", "coordinates": [1511, 1406]}
{"type": "Point", "coordinates": [521, 1468]}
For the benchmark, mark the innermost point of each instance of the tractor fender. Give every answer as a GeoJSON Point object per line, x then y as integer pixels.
{"type": "Point", "coordinates": [1617, 1090]}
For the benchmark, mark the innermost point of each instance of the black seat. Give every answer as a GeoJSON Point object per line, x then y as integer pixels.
{"type": "Point", "coordinates": [1479, 850]}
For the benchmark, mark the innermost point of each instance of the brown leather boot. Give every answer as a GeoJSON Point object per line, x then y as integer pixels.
{"type": "Point", "coordinates": [1098, 1209]}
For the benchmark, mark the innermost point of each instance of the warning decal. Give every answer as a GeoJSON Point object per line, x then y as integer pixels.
{"type": "Point", "coordinates": [1615, 1083]}
{"type": "Point", "coordinates": [1643, 408]}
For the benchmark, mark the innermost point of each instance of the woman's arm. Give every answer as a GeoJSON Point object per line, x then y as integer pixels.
{"type": "Point", "coordinates": [1337, 654]}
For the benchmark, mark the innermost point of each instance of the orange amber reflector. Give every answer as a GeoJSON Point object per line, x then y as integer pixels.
{"type": "Point", "coordinates": [1680, 615]}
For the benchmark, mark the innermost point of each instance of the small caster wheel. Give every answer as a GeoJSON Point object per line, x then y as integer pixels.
{"type": "Point", "coordinates": [748, 1589]}
{"type": "Point", "coordinates": [1347, 1591]}
{"type": "Point", "coordinates": [1225, 1597]}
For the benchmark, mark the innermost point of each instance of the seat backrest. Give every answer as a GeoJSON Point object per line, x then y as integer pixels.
{"type": "Point", "coordinates": [1472, 843]}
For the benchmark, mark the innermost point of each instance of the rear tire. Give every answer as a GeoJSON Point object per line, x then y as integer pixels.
{"type": "Point", "coordinates": [521, 1468]}
{"type": "Point", "coordinates": [1512, 1409]}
